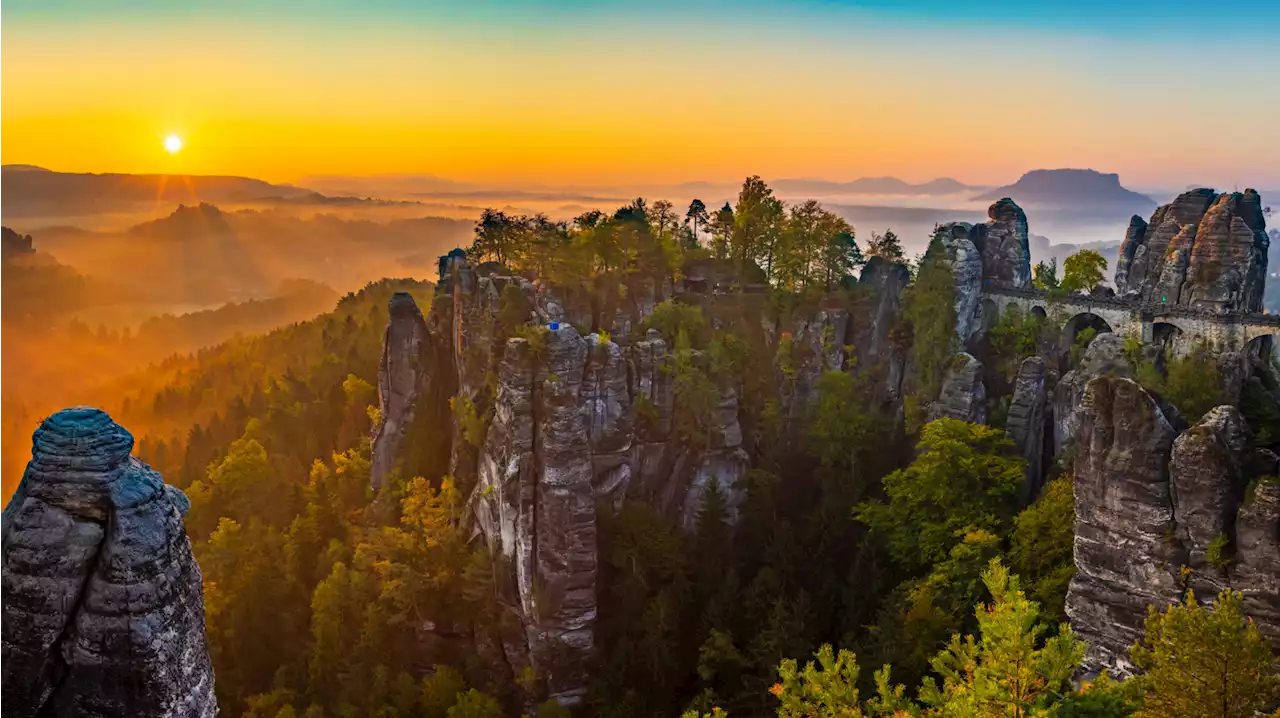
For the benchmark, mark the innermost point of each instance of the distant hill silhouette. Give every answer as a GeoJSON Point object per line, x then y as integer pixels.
{"type": "Point", "coordinates": [1072, 188]}
{"type": "Point", "coordinates": [873, 185]}
{"type": "Point", "coordinates": [28, 191]}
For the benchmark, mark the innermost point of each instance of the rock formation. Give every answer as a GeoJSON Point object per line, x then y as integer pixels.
{"type": "Point", "coordinates": [1126, 554]}
{"type": "Point", "coordinates": [570, 425]}
{"type": "Point", "coordinates": [966, 262]}
{"type": "Point", "coordinates": [1006, 255]}
{"type": "Point", "coordinates": [13, 244]}
{"type": "Point", "coordinates": [1156, 515]}
{"type": "Point", "coordinates": [1206, 471]}
{"type": "Point", "coordinates": [103, 604]}
{"type": "Point", "coordinates": [873, 342]}
{"type": "Point", "coordinates": [1203, 250]}
{"type": "Point", "coordinates": [402, 373]}
{"type": "Point", "coordinates": [565, 406]}
{"type": "Point", "coordinates": [1028, 417]}
{"type": "Point", "coordinates": [1105, 356]}
{"type": "Point", "coordinates": [995, 254]}
{"type": "Point", "coordinates": [963, 394]}
{"type": "Point", "coordinates": [1255, 571]}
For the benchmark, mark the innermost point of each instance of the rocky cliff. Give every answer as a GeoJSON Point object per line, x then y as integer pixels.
{"type": "Point", "coordinates": [1029, 421]}
{"type": "Point", "coordinates": [1204, 250]}
{"type": "Point", "coordinates": [564, 405]}
{"type": "Point", "coordinates": [1125, 552]}
{"type": "Point", "coordinates": [103, 604]}
{"type": "Point", "coordinates": [1158, 512]}
{"type": "Point", "coordinates": [994, 254]}
{"type": "Point", "coordinates": [402, 372]}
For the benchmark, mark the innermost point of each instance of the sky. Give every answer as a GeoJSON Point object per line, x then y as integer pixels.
{"type": "Point", "coordinates": [575, 93]}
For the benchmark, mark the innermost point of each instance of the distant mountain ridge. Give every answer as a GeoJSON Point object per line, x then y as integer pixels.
{"type": "Point", "coordinates": [1071, 187]}
{"type": "Point", "coordinates": [874, 185]}
{"type": "Point", "coordinates": [30, 191]}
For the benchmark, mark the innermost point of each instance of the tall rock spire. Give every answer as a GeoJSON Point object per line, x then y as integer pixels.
{"type": "Point", "coordinates": [103, 604]}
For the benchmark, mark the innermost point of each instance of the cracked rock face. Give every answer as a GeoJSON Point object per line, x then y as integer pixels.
{"type": "Point", "coordinates": [1104, 356]}
{"type": "Point", "coordinates": [1126, 554]}
{"type": "Point", "coordinates": [1006, 254]}
{"type": "Point", "coordinates": [1027, 421]}
{"type": "Point", "coordinates": [1206, 472]}
{"type": "Point", "coordinates": [402, 373]}
{"type": "Point", "coordinates": [103, 604]}
{"type": "Point", "coordinates": [963, 395]}
{"type": "Point", "coordinates": [1255, 572]}
{"type": "Point", "coordinates": [966, 261]}
{"type": "Point", "coordinates": [873, 343]}
{"type": "Point", "coordinates": [1202, 250]}
{"type": "Point", "coordinates": [995, 254]}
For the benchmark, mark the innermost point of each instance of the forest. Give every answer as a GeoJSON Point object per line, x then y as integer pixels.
{"type": "Point", "coordinates": [873, 568]}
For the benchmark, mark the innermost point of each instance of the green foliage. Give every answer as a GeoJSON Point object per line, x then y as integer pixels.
{"type": "Point", "coordinates": [1193, 383]}
{"type": "Point", "coordinates": [698, 216]}
{"type": "Point", "coordinates": [1102, 698]}
{"type": "Point", "coordinates": [920, 615]}
{"type": "Point", "coordinates": [1042, 545]}
{"type": "Point", "coordinates": [885, 245]}
{"type": "Point", "coordinates": [721, 228]}
{"type": "Point", "coordinates": [1216, 552]}
{"type": "Point", "coordinates": [757, 227]}
{"type": "Point", "coordinates": [513, 310]}
{"type": "Point", "coordinates": [551, 708]}
{"type": "Point", "coordinates": [671, 318]}
{"type": "Point", "coordinates": [1014, 337]}
{"type": "Point", "coordinates": [537, 336]}
{"type": "Point", "coordinates": [1083, 271]}
{"type": "Point", "coordinates": [826, 687]}
{"type": "Point", "coordinates": [839, 424]}
{"type": "Point", "coordinates": [467, 418]}
{"type": "Point", "coordinates": [1261, 413]}
{"type": "Point", "coordinates": [929, 308]}
{"type": "Point", "coordinates": [817, 248]}
{"type": "Point", "coordinates": [1204, 662]}
{"type": "Point", "coordinates": [440, 691]}
{"type": "Point", "coordinates": [1045, 276]}
{"type": "Point", "coordinates": [1007, 670]}
{"type": "Point", "coordinates": [964, 476]}
{"type": "Point", "coordinates": [697, 396]}
{"type": "Point", "coordinates": [1081, 343]}
{"type": "Point", "coordinates": [474, 704]}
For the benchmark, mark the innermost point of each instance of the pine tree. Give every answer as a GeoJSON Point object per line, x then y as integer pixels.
{"type": "Point", "coordinates": [1205, 663]}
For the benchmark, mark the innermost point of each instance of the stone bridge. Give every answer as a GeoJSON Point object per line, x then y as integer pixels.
{"type": "Point", "coordinates": [1182, 328]}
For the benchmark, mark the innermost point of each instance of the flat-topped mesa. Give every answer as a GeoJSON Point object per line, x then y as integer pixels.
{"type": "Point", "coordinates": [1203, 250]}
{"type": "Point", "coordinates": [103, 604]}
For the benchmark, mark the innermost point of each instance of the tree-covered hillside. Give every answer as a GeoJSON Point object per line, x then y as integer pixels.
{"type": "Point", "coordinates": [865, 535]}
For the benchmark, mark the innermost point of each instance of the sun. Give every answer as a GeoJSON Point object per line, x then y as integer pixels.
{"type": "Point", "coordinates": [172, 144]}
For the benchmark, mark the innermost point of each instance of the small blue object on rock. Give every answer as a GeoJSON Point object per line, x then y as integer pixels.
{"type": "Point", "coordinates": [554, 326]}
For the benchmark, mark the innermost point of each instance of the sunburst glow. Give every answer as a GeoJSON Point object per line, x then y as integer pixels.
{"type": "Point", "coordinates": [173, 144]}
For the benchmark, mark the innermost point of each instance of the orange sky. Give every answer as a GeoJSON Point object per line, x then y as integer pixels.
{"type": "Point", "coordinates": [667, 102]}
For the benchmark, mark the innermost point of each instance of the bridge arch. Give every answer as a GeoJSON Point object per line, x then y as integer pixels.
{"type": "Point", "coordinates": [1261, 346]}
{"type": "Point", "coordinates": [1169, 337]}
{"type": "Point", "coordinates": [1078, 324]}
